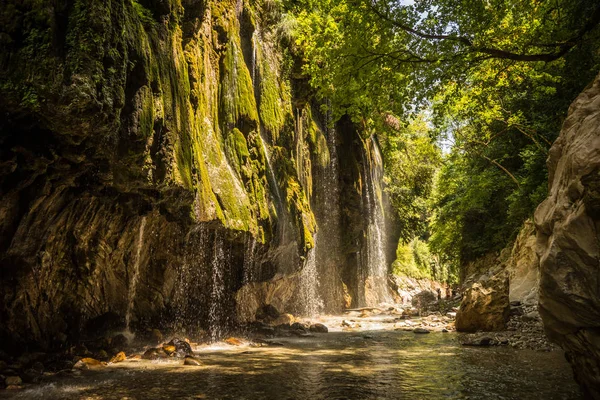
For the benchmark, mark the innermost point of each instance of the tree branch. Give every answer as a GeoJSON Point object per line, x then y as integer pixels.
{"type": "Point", "coordinates": [561, 48]}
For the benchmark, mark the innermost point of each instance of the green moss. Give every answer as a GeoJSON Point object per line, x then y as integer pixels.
{"type": "Point", "coordinates": [273, 106]}
{"type": "Point", "coordinates": [318, 142]}
{"type": "Point", "coordinates": [237, 101]}
{"type": "Point", "coordinates": [144, 14]}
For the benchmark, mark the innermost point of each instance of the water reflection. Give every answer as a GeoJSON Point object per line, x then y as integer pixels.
{"type": "Point", "coordinates": [357, 365]}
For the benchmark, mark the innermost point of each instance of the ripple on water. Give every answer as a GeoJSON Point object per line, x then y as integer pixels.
{"type": "Point", "coordinates": [389, 365]}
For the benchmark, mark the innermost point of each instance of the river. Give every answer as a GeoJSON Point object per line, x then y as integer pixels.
{"type": "Point", "coordinates": [367, 364]}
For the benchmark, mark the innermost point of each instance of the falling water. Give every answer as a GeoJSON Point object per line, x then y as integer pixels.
{"type": "Point", "coordinates": [376, 235]}
{"type": "Point", "coordinates": [217, 314]}
{"type": "Point", "coordinates": [309, 285]}
{"type": "Point", "coordinates": [136, 273]}
{"type": "Point", "coordinates": [327, 209]}
{"type": "Point", "coordinates": [249, 260]}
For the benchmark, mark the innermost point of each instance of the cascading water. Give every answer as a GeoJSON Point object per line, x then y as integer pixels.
{"type": "Point", "coordinates": [249, 260]}
{"type": "Point", "coordinates": [217, 314]}
{"type": "Point", "coordinates": [374, 276]}
{"type": "Point", "coordinates": [327, 209]}
{"type": "Point", "coordinates": [309, 285]}
{"type": "Point", "coordinates": [136, 273]}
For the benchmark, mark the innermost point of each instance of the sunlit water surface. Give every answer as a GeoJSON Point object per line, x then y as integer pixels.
{"type": "Point", "coordinates": [337, 365]}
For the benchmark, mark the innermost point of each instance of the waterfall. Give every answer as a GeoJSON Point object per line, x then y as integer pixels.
{"type": "Point", "coordinates": [377, 267]}
{"type": "Point", "coordinates": [309, 285]}
{"type": "Point", "coordinates": [136, 273]}
{"type": "Point", "coordinates": [249, 260]}
{"type": "Point", "coordinates": [217, 314]}
{"type": "Point", "coordinates": [327, 210]}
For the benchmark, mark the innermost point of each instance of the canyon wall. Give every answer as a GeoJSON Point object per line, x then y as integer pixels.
{"type": "Point", "coordinates": [162, 163]}
{"type": "Point", "coordinates": [567, 225]}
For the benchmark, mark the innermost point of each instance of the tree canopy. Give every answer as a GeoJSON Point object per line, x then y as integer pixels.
{"type": "Point", "coordinates": [494, 79]}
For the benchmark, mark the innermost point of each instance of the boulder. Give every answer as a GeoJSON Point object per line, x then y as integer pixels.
{"type": "Point", "coordinates": [485, 305]}
{"type": "Point", "coordinates": [119, 357]}
{"type": "Point", "coordinates": [182, 347]}
{"type": "Point", "coordinates": [568, 240]}
{"type": "Point", "coordinates": [319, 328]}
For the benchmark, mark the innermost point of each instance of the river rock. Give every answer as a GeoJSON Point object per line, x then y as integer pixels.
{"type": "Point", "coordinates": [182, 347]}
{"type": "Point", "coordinates": [283, 319]}
{"type": "Point", "coordinates": [89, 363]}
{"type": "Point", "coordinates": [299, 326]}
{"type": "Point", "coordinates": [267, 312]}
{"type": "Point", "coordinates": [485, 304]}
{"type": "Point", "coordinates": [191, 360]}
{"type": "Point", "coordinates": [169, 349]}
{"type": "Point", "coordinates": [119, 357]}
{"type": "Point", "coordinates": [569, 241]}
{"type": "Point", "coordinates": [13, 381]}
{"type": "Point", "coordinates": [420, 330]}
{"type": "Point", "coordinates": [318, 328]}
{"type": "Point", "coordinates": [154, 354]}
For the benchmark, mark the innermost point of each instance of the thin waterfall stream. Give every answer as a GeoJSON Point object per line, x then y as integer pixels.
{"type": "Point", "coordinates": [133, 283]}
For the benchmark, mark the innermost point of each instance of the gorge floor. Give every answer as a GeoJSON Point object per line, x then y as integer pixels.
{"type": "Point", "coordinates": [371, 361]}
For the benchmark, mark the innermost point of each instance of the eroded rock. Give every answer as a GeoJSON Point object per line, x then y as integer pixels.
{"type": "Point", "coordinates": [485, 305]}
{"type": "Point", "coordinates": [569, 243]}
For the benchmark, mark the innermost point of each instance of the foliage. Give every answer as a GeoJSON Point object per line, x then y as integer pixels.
{"type": "Point", "coordinates": [411, 158]}
{"type": "Point", "coordinates": [413, 259]}
{"type": "Point", "coordinates": [496, 77]}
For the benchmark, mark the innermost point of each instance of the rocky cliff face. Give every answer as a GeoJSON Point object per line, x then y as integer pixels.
{"type": "Point", "coordinates": [568, 222]}
{"type": "Point", "coordinates": [158, 161]}
{"type": "Point", "coordinates": [495, 281]}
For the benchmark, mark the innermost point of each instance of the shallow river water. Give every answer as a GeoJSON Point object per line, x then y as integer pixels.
{"type": "Point", "coordinates": [337, 365]}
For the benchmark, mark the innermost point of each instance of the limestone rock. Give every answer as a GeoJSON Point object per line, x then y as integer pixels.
{"type": "Point", "coordinates": [485, 305]}
{"type": "Point", "coordinates": [523, 267]}
{"type": "Point", "coordinates": [567, 233]}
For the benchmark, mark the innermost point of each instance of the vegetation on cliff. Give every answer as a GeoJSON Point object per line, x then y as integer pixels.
{"type": "Point", "coordinates": [495, 79]}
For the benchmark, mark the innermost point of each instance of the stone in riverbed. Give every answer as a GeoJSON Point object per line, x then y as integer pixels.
{"type": "Point", "coordinates": [88, 363]}
{"type": "Point", "coordinates": [233, 341]}
{"type": "Point", "coordinates": [154, 354]}
{"type": "Point", "coordinates": [420, 330]}
{"type": "Point", "coordinates": [318, 328]}
{"type": "Point", "coordinates": [13, 381]}
{"type": "Point", "coordinates": [183, 348]}
{"type": "Point", "coordinates": [169, 349]}
{"type": "Point", "coordinates": [299, 326]}
{"type": "Point", "coordinates": [283, 319]}
{"type": "Point", "coordinates": [191, 360]}
{"type": "Point", "coordinates": [119, 357]}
